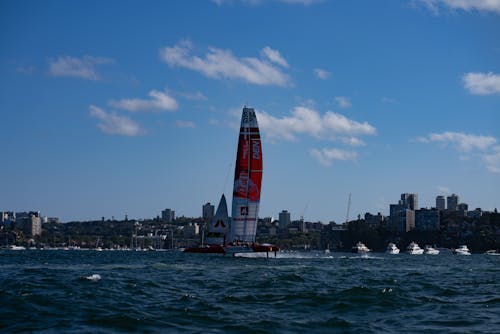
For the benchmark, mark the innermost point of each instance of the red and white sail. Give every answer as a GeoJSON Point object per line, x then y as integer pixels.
{"type": "Point", "coordinates": [247, 180]}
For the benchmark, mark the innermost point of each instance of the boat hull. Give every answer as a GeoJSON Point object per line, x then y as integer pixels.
{"type": "Point", "coordinates": [233, 249]}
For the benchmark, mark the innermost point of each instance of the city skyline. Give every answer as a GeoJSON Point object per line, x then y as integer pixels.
{"type": "Point", "coordinates": [125, 108]}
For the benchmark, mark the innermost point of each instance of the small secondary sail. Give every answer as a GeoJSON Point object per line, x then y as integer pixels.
{"type": "Point", "coordinates": [247, 180]}
{"type": "Point", "coordinates": [219, 225]}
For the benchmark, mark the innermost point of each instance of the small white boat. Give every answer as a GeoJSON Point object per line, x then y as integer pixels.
{"type": "Point", "coordinates": [431, 250]}
{"type": "Point", "coordinates": [392, 249]}
{"type": "Point", "coordinates": [360, 248]}
{"type": "Point", "coordinates": [492, 252]}
{"type": "Point", "coordinates": [14, 247]}
{"type": "Point", "coordinates": [414, 249]}
{"type": "Point", "coordinates": [462, 250]}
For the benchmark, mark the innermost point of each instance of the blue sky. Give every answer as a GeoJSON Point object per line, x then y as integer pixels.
{"type": "Point", "coordinates": [110, 108]}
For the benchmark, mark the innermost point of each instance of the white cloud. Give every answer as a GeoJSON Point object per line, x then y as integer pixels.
{"type": "Point", "coordinates": [467, 5]}
{"type": "Point", "coordinates": [326, 156]}
{"type": "Point", "coordinates": [353, 141]}
{"type": "Point", "coordinates": [482, 83]}
{"type": "Point", "coordinates": [388, 100]}
{"type": "Point", "coordinates": [485, 147]}
{"type": "Point", "coordinates": [194, 96]}
{"type": "Point", "coordinates": [343, 102]}
{"type": "Point", "coordinates": [443, 189]}
{"type": "Point", "coordinates": [160, 101]}
{"type": "Point", "coordinates": [321, 74]}
{"type": "Point", "coordinates": [222, 64]}
{"type": "Point", "coordinates": [304, 120]}
{"type": "Point", "coordinates": [274, 56]}
{"type": "Point", "coordinates": [111, 123]}
{"type": "Point", "coordinates": [462, 142]}
{"type": "Point", "coordinates": [492, 160]}
{"type": "Point", "coordinates": [66, 66]}
{"type": "Point", "coordinates": [185, 124]}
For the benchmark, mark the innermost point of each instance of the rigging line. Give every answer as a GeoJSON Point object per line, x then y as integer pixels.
{"type": "Point", "coordinates": [227, 177]}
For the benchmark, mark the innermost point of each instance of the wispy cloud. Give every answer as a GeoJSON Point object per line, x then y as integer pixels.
{"type": "Point", "coordinates": [343, 102]}
{"type": "Point", "coordinates": [185, 124]}
{"type": "Point", "coordinates": [485, 147]}
{"type": "Point", "coordinates": [304, 120]}
{"type": "Point", "coordinates": [274, 56]}
{"type": "Point", "coordinates": [388, 100]}
{"type": "Point", "coordinates": [482, 83]}
{"type": "Point", "coordinates": [114, 124]}
{"type": "Point", "coordinates": [443, 189]}
{"type": "Point", "coordinates": [467, 5]}
{"type": "Point", "coordinates": [222, 64]}
{"type": "Point", "coordinates": [460, 141]}
{"type": "Point", "coordinates": [193, 96]}
{"type": "Point", "coordinates": [160, 101]}
{"type": "Point", "coordinates": [85, 68]}
{"type": "Point", "coordinates": [492, 160]}
{"type": "Point", "coordinates": [326, 156]}
{"type": "Point", "coordinates": [321, 74]}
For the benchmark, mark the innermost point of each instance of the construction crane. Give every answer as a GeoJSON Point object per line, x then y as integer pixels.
{"type": "Point", "coordinates": [348, 208]}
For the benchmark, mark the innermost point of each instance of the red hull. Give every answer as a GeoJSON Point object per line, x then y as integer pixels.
{"type": "Point", "coordinates": [218, 249]}
{"type": "Point", "coordinates": [210, 249]}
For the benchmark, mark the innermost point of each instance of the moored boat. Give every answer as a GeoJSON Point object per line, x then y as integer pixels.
{"type": "Point", "coordinates": [431, 250]}
{"type": "Point", "coordinates": [461, 250]}
{"type": "Point", "coordinates": [414, 249]}
{"type": "Point", "coordinates": [360, 248]}
{"type": "Point", "coordinates": [392, 249]}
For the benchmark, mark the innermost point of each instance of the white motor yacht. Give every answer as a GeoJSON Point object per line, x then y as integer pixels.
{"type": "Point", "coordinates": [414, 249]}
{"type": "Point", "coordinates": [392, 249]}
{"type": "Point", "coordinates": [431, 250]}
{"type": "Point", "coordinates": [462, 250]}
{"type": "Point", "coordinates": [360, 248]}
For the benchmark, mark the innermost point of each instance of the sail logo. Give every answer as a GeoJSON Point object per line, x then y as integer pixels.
{"type": "Point", "coordinates": [256, 149]}
{"type": "Point", "coordinates": [244, 210]}
{"type": "Point", "coordinates": [220, 223]}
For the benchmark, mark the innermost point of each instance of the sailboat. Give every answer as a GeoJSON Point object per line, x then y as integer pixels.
{"type": "Point", "coordinates": [239, 236]}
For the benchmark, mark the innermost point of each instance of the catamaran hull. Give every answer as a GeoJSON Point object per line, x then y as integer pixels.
{"type": "Point", "coordinates": [233, 249]}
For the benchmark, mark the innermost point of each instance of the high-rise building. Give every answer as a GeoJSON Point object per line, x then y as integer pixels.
{"type": "Point", "coordinates": [284, 219]}
{"type": "Point", "coordinates": [208, 211]}
{"type": "Point", "coordinates": [401, 219]}
{"type": "Point", "coordinates": [452, 202]}
{"type": "Point", "coordinates": [409, 201]}
{"type": "Point", "coordinates": [440, 203]}
{"type": "Point", "coordinates": [427, 219]}
{"type": "Point", "coordinates": [168, 215]}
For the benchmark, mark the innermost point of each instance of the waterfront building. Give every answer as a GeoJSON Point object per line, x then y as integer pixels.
{"type": "Point", "coordinates": [284, 219]}
{"type": "Point", "coordinates": [191, 230]}
{"type": "Point", "coordinates": [208, 211]}
{"type": "Point", "coordinates": [402, 215]}
{"type": "Point", "coordinates": [374, 220]}
{"type": "Point", "coordinates": [168, 215]}
{"type": "Point", "coordinates": [452, 202]}
{"type": "Point", "coordinates": [476, 214]}
{"type": "Point", "coordinates": [464, 207]}
{"type": "Point", "coordinates": [440, 203]}
{"type": "Point", "coordinates": [32, 225]}
{"type": "Point", "coordinates": [401, 219]}
{"type": "Point", "coordinates": [427, 219]}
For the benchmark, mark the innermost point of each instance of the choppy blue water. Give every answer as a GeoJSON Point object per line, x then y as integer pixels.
{"type": "Point", "coordinates": [172, 292]}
